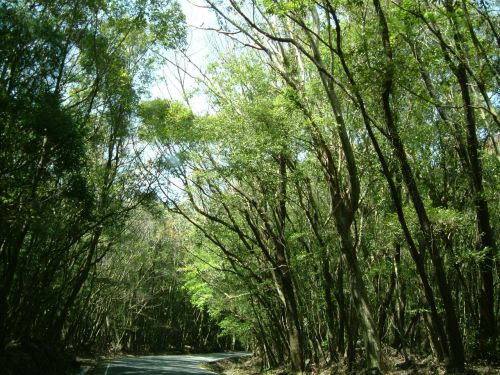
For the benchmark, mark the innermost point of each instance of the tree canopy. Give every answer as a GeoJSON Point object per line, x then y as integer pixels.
{"type": "Point", "coordinates": [336, 208]}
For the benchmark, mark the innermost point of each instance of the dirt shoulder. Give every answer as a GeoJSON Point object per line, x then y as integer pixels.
{"type": "Point", "coordinates": [425, 366]}
{"type": "Point", "coordinates": [235, 366]}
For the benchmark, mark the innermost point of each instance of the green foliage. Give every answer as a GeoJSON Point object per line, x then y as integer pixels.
{"type": "Point", "coordinates": [69, 181]}
{"type": "Point", "coordinates": [262, 230]}
{"type": "Point", "coordinates": [138, 291]}
{"type": "Point", "coordinates": [167, 121]}
{"type": "Point", "coordinates": [281, 7]}
{"type": "Point", "coordinates": [276, 146]}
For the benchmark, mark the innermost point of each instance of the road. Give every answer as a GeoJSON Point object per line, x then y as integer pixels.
{"type": "Point", "coordinates": [160, 364]}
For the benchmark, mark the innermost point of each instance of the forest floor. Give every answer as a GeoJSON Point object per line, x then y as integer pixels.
{"type": "Point", "coordinates": [396, 366]}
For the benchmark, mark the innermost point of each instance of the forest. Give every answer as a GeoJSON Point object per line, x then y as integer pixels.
{"type": "Point", "coordinates": [333, 210]}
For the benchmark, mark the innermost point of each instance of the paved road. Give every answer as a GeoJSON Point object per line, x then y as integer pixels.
{"type": "Point", "coordinates": [160, 364]}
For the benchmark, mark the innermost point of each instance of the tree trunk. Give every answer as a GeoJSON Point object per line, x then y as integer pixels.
{"type": "Point", "coordinates": [360, 296]}
{"type": "Point", "coordinates": [388, 298]}
{"type": "Point", "coordinates": [456, 350]}
{"type": "Point", "coordinates": [330, 308]}
{"type": "Point", "coordinates": [487, 325]}
{"type": "Point", "coordinates": [284, 276]}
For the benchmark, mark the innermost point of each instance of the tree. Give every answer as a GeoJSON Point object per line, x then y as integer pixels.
{"type": "Point", "coordinates": [68, 100]}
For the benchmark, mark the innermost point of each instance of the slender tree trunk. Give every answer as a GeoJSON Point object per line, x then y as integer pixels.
{"type": "Point", "coordinates": [395, 194]}
{"type": "Point", "coordinates": [486, 243]}
{"type": "Point", "coordinates": [352, 336]}
{"type": "Point", "coordinates": [362, 304]}
{"type": "Point", "coordinates": [343, 316]}
{"type": "Point", "coordinates": [452, 326]}
{"type": "Point", "coordinates": [344, 211]}
{"type": "Point", "coordinates": [56, 331]}
{"type": "Point", "coordinates": [387, 300]}
{"type": "Point", "coordinates": [330, 307]}
{"type": "Point", "coordinates": [283, 273]}
{"type": "Point", "coordinates": [471, 162]}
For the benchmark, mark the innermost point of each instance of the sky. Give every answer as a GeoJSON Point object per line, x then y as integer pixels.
{"type": "Point", "coordinates": [167, 85]}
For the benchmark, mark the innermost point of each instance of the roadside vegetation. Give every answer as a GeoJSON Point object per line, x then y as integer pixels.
{"type": "Point", "coordinates": [336, 209]}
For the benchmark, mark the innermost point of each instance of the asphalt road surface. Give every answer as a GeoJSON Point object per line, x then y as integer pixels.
{"type": "Point", "coordinates": [160, 364]}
